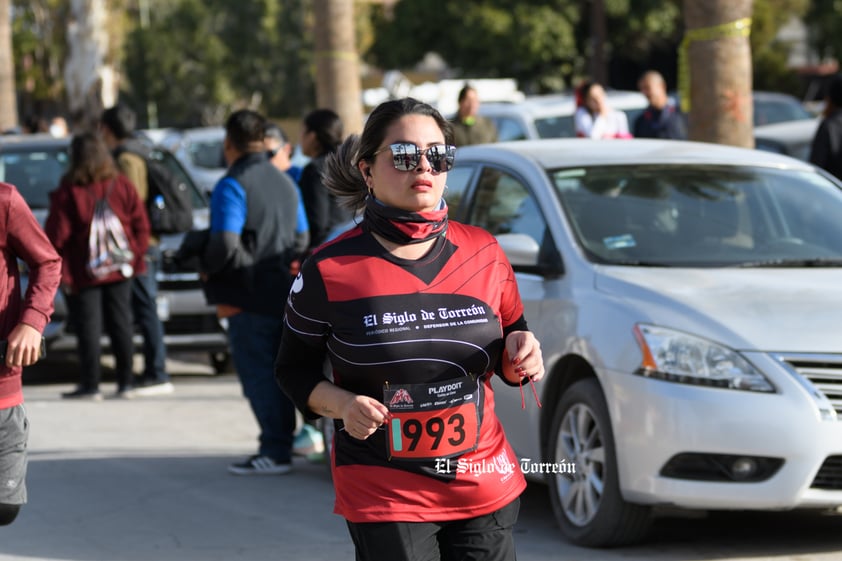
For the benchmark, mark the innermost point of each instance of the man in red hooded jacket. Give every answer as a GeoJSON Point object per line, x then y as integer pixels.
{"type": "Point", "coordinates": [22, 320]}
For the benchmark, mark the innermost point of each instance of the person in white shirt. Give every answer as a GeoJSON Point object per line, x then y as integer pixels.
{"type": "Point", "coordinates": [595, 118]}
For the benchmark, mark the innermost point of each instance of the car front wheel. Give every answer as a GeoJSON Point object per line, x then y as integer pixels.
{"type": "Point", "coordinates": [586, 496]}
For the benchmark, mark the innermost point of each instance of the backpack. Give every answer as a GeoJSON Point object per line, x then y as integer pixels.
{"type": "Point", "coordinates": [169, 202]}
{"type": "Point", "coordinates": [108, 247]}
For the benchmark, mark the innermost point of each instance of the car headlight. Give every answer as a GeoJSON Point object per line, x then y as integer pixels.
{"type": "Point", "coordinates": [679, 357]}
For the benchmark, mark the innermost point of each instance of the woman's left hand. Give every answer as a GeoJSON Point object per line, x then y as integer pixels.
{"type": "Point", "coordinates": [522, 357]}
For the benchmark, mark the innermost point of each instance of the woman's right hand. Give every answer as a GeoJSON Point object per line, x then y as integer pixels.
{"type": "Point", "coordinates": [362, 415]}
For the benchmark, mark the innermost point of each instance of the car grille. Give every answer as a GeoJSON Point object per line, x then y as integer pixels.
{"type": "Point", "coordinates": [825, 374]}
{"type": "Point", "coordinates": [830, 474]}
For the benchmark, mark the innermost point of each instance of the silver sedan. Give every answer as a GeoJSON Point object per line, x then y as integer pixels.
{"type": "Point", "coordinates": [688, 300]}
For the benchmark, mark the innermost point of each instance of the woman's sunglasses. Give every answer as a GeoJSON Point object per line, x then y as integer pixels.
{"type": "Point", "coordinates": [406, 156]}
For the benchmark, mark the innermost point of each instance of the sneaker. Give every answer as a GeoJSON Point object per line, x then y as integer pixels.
{"type": "Point", "coordinates": [83, 394]}
{"type": "Point", "coordinates": [127, 393]}
{"type": "Point", "coordinates": [260, 465]}
{"type": "Point", "coordinates": [154, 388]}
{"type": "Point", "coordinates": [308, 441]}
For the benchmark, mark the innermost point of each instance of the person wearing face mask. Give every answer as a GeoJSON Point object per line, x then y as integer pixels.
{"type": "Point", "coordinates": [416, 314]}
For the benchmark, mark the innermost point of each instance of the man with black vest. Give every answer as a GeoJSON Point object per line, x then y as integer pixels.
{"type": "Point", "coordinates": [245, 266]}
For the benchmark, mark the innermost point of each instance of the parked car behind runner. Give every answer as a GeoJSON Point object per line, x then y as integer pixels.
{"type": "Point", "coordinates": [687, 298]}
{"type": "Point", "coordinates": [792, 138]}
{"type": "Point", "coordinates": [35, 164]}
{"type": "Point", "coordinates": [551, 116]}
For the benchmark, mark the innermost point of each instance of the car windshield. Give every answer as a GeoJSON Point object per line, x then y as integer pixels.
{"type": "Point", "coordinates": [34, 173]}
{"type": "Point", "coordinates": [702, 216]}
{"type": "Point", "coordinates": [207, 153]}
{"type": "Point", "coordinates": [771, 112]}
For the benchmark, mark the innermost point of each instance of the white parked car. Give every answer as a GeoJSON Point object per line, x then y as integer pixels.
{"type": "Point", "coordinates": [34, 164]}
{"type": "Point", "coordinates": [551, 116]}
{"type": "Point", "coordinates": [793, 138]}
{"type": "Point", "coordinates": [688, 300]}
{"type": "Point", "coordinates": [199, 150]}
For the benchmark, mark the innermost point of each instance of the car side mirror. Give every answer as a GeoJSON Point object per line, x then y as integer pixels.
{"type": "Point", "coordinates": [520, 249]}
{"type": "Point", "coordinates": [525, 255]}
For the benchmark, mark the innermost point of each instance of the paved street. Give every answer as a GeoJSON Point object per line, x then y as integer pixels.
{"type": "Point", "coordinates": [145, 479]}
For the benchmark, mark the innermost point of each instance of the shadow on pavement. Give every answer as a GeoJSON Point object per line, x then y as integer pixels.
{"type": "Point", "coordinates": [681, 535]}
{"type": "Point", "coordinates": [137, 508]}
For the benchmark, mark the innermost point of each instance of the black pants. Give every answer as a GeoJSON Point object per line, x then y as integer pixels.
{"type": "Point", "coordinates": [484, 538]}
{"type": "Point", "coordinates": [145, 312]}
{"type": "Point", "coordinates": [107, 306]}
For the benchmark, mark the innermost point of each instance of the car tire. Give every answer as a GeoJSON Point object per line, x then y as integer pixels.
{"type": "Point", "coordinates": [221, 362]}
{"type": "Point", "coordinates": [587, 503]}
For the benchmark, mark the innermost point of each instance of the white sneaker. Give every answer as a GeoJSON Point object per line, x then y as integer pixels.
{"type": "Point", "coordinates": [161, 388]}
{"type": "Point", "coordinates": [260, 465]}
{"type": "Point", "coordinates": [308, 441]}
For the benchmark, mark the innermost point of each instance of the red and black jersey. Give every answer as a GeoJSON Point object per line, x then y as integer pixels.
{"type": "Point", "coordinates": [415, 333]}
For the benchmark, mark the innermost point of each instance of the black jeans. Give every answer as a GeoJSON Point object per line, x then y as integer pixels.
{"type": "Point", "coordinates": [484, 538]}
{"type": "Point", "coordinates": [107, 306]}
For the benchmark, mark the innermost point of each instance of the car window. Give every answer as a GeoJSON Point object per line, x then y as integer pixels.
{"type": "Point", "coordinates": [457, 181]}
{"type": "Point", "coordinates": [34, 173]}
{"type": "Point", "coordinates": [632, 115]}
{"type": "Point", "coordinates": [706, 216]}
{"type": "Point", "coordinates": [504, 205]}
{"type": "Point", "coordinates": [555, 127]}
{"type": "Point", "coordinates": [770, 112]}
{"type": "Point", "coordinates": [509, 129]}
{"type": "Point", "coordinates": [198, 198]}
{"type": "Point", "coordinates": [207, 154]}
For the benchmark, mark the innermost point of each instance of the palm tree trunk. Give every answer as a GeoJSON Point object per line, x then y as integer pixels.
{"type": "Point", "coordinates": [338, 84]}
{"type": "Point", "coordinates": [85, 72]}
{"type": "Point", "coordinates": [8, 99]}
{"type": "Point", "coordinates": [718, 57]}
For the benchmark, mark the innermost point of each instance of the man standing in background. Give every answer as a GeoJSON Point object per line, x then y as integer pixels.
{"type": "Point", "coordinates": [661, 119]}
{"type": "Point", "coordinates": [246, 270]}
{"type": "Point", "coordinates": [468, 126]}
{"type": "Point", "coordinates": [117, 125]}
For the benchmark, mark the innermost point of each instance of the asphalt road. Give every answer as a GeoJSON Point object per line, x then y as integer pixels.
{"type": "Point", "coordinates": [146, 479]}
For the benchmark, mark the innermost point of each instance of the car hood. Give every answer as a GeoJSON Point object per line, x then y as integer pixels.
{"type": "Point", "coordinates": [772, 310]}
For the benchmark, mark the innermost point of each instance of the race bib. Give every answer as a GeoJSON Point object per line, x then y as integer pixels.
{"type": "Point", "coordinates": [430, 421]}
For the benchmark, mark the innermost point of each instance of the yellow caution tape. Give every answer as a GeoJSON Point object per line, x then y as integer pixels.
{"type": "Point", "coordinates": [738, 28]}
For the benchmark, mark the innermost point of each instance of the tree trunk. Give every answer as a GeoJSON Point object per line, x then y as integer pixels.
{"type": "Point", "coordinates": [718, 59]}
{"type": "Point", "coordinates": [8, 99]}
{"type": "Point", "coordinates": [338, 84]}
{"type": "Point", "coordinates": [598, 70]}
{"type": "Point", "coordinates": [86, 76]}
